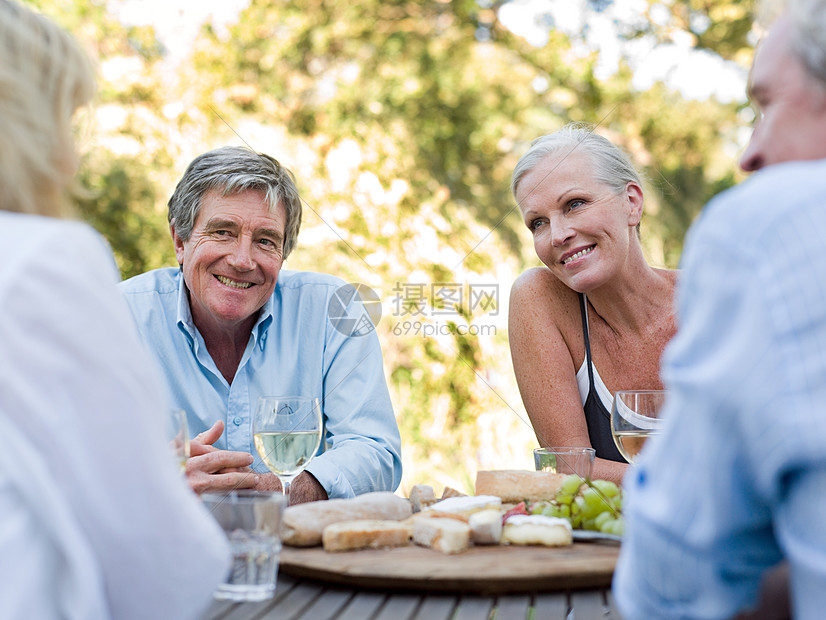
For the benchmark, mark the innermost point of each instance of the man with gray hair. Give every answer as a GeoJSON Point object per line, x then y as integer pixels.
{"type": "Point", "coordinates": [736, 482]}
{"type": "Point", "coordinates": [230, 326]}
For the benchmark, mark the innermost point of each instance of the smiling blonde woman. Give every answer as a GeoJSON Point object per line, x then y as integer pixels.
{"type": "Point", "coordinates": [597, 303]}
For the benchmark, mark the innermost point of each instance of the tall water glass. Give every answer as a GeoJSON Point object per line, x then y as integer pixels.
{"type": "Point", "coordinates": [251, 521]}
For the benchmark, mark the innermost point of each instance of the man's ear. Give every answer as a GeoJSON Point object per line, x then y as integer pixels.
{"type": "Point", "coordinates": [633, 194]}
{"type": "Point", "coordinates": [178, 243]}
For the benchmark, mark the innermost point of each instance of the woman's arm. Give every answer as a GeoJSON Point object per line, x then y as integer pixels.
{"type": "Point", "coordinates": [541, 309]}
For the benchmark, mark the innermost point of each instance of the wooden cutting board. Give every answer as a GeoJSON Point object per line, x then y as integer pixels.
{"type": "Point", "coordinates": [484, 570]}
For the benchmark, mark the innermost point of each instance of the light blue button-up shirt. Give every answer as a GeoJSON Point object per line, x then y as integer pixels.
{"type": "Point", "coordinates": [737, 479]}
{"type": "Point", "coordinates": [293, 349]}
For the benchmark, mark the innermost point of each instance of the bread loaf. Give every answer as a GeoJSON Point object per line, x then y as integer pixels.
{"type": "Point", "coordinates": [445, 535]}
{"type": "Point", "coordinates": [537, 530]}
{"type": "Point", "coordinates": [303, 524]}
{"type": "Point", "coordinates": [512, 485]}
{"type": "Point", "coordinates": [363, 534]}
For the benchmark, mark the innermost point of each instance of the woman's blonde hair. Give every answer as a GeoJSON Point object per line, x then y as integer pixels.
{"type": "Point", "coordinates": [44, 77]}
{"type": "Point", "coordinates": [612, 165]}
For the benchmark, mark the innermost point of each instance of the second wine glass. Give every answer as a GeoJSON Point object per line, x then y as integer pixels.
{"type": "Point", "coordinates": [635, 416]}
{"type": "Point", "coordinates": [177, 432]}
{"type": "Point", "coordinates": [287, 434]}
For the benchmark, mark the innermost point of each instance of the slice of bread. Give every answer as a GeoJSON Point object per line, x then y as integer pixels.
{"type": "Point", "coordinates": [451, 492]}
{"type": "Point", "coordinates": [537, 530]}
{"type": "Point", "coordinates": [513, 485]}
{"type": "Point", "coordinates": [445, 535]}
{"type": "Point", "coordinates": [363, 534]}
{"type": "Point", "coordinates": [422, 496]}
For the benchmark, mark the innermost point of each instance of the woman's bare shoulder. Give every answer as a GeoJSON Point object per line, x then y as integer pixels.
{"type": "Point", "coordinates": [538, 291]}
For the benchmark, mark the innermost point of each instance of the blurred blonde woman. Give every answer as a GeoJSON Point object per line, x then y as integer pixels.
{"type": "Point", "coordinates": [97, 523]}
{"type": "Point", "coordinates": [597, 317]}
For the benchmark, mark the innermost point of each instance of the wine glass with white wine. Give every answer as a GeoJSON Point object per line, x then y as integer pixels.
{"type": "Point", "coordinates": [177, 432]}
{"type": "Point", "coordinates": [635, 416]}
{"type": "Point", "coordinates": [287, 433]}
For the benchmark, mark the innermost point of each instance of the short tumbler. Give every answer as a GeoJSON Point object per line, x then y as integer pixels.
{"type": "Point", "coordinates": [252, 523]}
{"type": "Point", "coordinates": [564, 460]}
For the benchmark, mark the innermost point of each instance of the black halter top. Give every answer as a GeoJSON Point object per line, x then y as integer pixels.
{"type": "Point", "coordinates": [596, 415]}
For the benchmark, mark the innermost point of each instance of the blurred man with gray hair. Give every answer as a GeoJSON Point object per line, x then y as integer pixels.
{"type": "Point", "coordinates": [737, 481]}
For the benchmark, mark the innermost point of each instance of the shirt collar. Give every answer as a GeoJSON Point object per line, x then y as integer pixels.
{"type": "Point", "coordinates": [262, 325]}
{"type": "Point", "coordinates": [184, 318]}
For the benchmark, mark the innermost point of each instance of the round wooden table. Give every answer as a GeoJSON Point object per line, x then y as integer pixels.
{"type": "Point", "coordinates": [502, 582]}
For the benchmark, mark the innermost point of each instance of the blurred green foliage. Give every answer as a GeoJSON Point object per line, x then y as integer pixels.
{"type": "Point", "coordinates": [402, 120]}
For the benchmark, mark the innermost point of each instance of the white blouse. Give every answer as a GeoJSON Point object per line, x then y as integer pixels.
{"type": "Point", "coordinates": [96, 520]}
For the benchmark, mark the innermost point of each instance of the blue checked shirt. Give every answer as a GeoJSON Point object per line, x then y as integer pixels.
{"type": "Point", "coordinates": [737, 480]}
{"type": "Point", "coordinates": [294, 349]}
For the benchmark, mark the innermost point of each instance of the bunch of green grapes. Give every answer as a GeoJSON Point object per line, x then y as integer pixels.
{"type": "Point", "coordinates": [588, 505]}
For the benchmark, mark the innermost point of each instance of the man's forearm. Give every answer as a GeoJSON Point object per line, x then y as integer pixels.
{"type": "Point", "coordinates": [305, 488]}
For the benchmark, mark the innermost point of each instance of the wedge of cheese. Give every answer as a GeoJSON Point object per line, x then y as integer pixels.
{"type": "Point", "coordinates": [537, 530]}
{"type": "Point", "coordinates": [486, 526]}
{"type": "Point", "coordinates": [466, 505]}
{"type": "Point", "coordinates": [445, 535]}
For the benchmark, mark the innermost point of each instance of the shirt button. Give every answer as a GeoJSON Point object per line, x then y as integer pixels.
{"type": "Point", "coordinates": [237, 420]}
